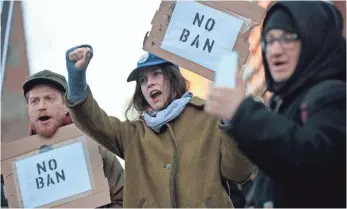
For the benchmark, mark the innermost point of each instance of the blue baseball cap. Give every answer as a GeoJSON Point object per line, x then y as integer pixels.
{"type": "Point", "coordinates": [147, 60]}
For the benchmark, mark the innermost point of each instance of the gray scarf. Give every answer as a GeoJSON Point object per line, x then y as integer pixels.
{"type": "Point", "coordinates": [156, 119]}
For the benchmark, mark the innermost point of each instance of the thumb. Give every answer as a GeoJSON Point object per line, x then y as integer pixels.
{"type": "Point", "coordinates": [86, 56]}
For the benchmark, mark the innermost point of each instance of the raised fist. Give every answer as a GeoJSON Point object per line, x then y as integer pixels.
{"type": "Point", "coordinates": [81, 57]}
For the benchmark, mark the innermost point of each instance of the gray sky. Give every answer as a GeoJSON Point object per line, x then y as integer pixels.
{"type": "Point", "coordinates": [115, 29]}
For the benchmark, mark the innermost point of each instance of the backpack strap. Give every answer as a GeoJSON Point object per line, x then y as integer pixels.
{"type": "Point", "coordinates": [311, 96]}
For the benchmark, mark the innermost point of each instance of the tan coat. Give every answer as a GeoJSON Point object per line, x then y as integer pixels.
{"type": "Point", "coordinates": [180, 167]}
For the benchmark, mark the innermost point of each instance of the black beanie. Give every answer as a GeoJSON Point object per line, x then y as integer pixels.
{"type": "Point", "coordinates": [279, 18]}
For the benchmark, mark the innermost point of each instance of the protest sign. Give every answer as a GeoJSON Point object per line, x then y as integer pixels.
{"type": "Point", "coordinates": [63, 171]}
{"type": "Point", "coordinates": [197, 34]}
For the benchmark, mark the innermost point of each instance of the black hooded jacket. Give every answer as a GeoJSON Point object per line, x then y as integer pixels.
{"type": "Point", "coordinates": [302, 164]}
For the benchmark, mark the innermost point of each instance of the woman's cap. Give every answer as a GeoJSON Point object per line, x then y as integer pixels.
{"type": "Point", "coordinates": [147, 60]}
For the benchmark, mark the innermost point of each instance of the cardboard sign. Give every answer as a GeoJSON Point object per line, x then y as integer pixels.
{"type": "Point", "coordinates": [205, 38]}
{"type": "Point", "coordinates": [197, 34]}
{"type": "Point", "coordinates": [63, 171]}
{"type": "Point", "coordinates": [51, 176]}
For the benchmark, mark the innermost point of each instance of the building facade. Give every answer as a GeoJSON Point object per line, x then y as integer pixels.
{"type": "Point", "coordinates": [14, 71]}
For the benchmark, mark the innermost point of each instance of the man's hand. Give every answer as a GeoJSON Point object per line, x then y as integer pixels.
{"type": "Point", "coordinates": [223, 102]}
{"type": "Point", "coordinates": [81, 57]}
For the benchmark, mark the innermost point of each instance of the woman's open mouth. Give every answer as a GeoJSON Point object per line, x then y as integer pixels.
{"type": "Point", "coordinates": [155, 94]}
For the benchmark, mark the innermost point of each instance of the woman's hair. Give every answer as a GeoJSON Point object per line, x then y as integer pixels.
{"type": "Point", "coordinates": [177, 85]}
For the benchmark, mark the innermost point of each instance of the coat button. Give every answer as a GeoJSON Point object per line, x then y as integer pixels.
{"type": "Point", "coordinates": [168, 166]}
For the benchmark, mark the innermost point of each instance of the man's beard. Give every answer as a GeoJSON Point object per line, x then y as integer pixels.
{"type": "Point", "coordinates": [49, 131]}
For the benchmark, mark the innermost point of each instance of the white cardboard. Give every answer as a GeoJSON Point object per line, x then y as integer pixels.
{"type": "Point", "coordinates": [226, 71]}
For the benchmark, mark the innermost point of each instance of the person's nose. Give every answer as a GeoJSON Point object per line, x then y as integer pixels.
{"type": "Point", "coordinates": [276, 49]}
{"type": "Point", "coordinates": [150, 81]}
{"type": "Point", "coordinates": [42, 105]}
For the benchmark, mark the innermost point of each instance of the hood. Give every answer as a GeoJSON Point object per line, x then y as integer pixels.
{"type": "Point", "coordinates": [323, 48]}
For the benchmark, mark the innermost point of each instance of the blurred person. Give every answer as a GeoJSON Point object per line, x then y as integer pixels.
{"type": "Point", "coordinates": [299, 145]}
{"type": "Point", "coordinates": [44, 93]}
{"type": "Point", "coordinates": [175, 154]}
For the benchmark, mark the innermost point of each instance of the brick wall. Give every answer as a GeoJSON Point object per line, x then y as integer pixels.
{"type": "Point", "coordinates": [341, 5]}
{"type": "Point", "coordinates": [14, 119]}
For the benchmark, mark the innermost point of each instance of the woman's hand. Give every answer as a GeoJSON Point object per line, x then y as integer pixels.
{"type": "Point", "coordinates": [81, 57]}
